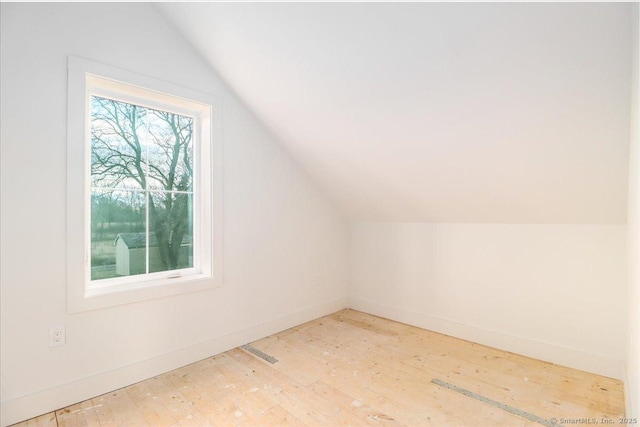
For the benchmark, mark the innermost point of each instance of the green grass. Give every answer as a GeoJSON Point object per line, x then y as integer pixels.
{"type": "Point", "coordinates": [104, 274]}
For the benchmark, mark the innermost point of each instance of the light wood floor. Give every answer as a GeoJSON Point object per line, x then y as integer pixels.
{"type": "Point", "coordinates": [352, 368]}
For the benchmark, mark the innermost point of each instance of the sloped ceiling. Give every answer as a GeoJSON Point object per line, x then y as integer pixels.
{"type": "Point", "coordinates": [515, 113]}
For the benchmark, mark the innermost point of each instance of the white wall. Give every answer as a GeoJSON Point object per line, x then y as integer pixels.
{"type": "Point", "coordinates": [426, 107]}
{"type": "Point", "coordinates": [285, 246]}
{"type": "Point", "coordinates": [633, 235]}
{"type": "Point", "coordinates": [554, 292]}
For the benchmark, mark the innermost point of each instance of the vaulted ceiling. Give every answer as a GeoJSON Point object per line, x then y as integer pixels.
{"type": "Point", "coordinates": [455, 112]}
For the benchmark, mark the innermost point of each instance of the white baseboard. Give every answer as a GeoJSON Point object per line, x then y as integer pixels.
{"type": "Point", "coordinates": [42, 402]}
{"type": "Point", "coordinates": [559, 355]}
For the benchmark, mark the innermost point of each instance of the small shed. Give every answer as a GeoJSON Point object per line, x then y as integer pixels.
{"type": "Point", "coordinates": [131, 256]}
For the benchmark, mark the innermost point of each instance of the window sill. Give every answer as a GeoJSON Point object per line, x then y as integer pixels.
{"type": "Point", "coordinates": [110, 296]}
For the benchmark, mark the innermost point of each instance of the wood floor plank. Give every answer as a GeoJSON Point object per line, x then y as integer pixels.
{"type": "Point", "coordinates": [311, 409]}
{"type": "Point", "coordinates": [123, 409]}
{"type": "Point", "coordinates": [278, 416]}
{"type": "Point", "coordinates": [46, 420]}
{"type": "Point", "coordinates": [367, 414]}
{"type": "Point", "coordinates": [150, 406]}
{"type": "Point", "coordinates": [103, 411]}
{"type": "Point", "coordinates": [73, 416]}
{"type": "Point", "coordinates": [180, 406]}
{"type": "Point", "coordinates": [351, 368]}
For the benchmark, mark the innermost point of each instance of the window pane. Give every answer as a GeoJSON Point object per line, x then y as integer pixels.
{"type": "Point", "coordinates": [118, 239]}
{"type": "Point", "coordinates": [139, 147]}
{"type": "Point", "coordinates": [170, 151]}
{"type": "Point", "coordinates": [171, 227]}
{"type": "Point", "coordinates": [118, 153]}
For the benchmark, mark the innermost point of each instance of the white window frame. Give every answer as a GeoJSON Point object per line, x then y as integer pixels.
{"type": "Point", "coordinates": [87, 78]}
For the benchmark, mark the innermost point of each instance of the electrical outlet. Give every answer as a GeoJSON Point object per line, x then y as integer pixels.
{"type": "Point", "coordinates": [57, 335]}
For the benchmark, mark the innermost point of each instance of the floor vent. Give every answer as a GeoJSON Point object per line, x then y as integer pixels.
{"type": "Point", "coordinates": [515, 411]}
{"type": "Point", "coordinates": [258, 353]}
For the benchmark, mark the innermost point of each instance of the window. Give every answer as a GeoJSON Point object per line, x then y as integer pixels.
{"type": "Point", "coordinates": [142, 189]}
{"type": "Point", "coordinates": [143, 181]}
